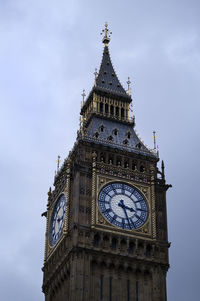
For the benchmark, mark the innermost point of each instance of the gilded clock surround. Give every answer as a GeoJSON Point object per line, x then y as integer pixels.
{"type": "Point", "coordinates": [102, 223]}
{"type": "Point", "coordinates": [122, 214]}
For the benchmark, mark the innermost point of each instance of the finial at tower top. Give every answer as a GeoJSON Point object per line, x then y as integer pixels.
{"type": "Point", "coordinates": [107, 33]}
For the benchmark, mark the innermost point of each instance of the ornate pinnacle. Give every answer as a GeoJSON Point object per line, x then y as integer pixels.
{"type": "Point", "coordinates": [163, 169]}
{"type": "Point", "coordinates": [49, 192]}
{"type": "Point", "coordinates": [83, 95]}
{"type": "Point", "coordinates": [95, 73]}
{"type": "Point", "coordinates": [95, 76]}
{"type": "Point", "coordinates": [58, 163]}
{"type": "Point", "coordinates": [157, 151]}
{"type": "Point", "coordinates": [129, 86]}
{"type": "Point", "coordinates": [154, 140]}
{"type": "Point", "coordinates": [80, 122]}
{"type": "Point", "coordinates": [107, 33]}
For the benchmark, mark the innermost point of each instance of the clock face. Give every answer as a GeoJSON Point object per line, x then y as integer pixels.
{"type": "Point", "coordinates": [123, 205]}
{"type": "Point", "coordinates": [57, 219]}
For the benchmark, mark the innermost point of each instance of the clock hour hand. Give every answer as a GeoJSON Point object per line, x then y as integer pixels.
{"type": "Point", "coordinates": [121, 204]}
{"type": "Point", "coordinates": [129, 208]}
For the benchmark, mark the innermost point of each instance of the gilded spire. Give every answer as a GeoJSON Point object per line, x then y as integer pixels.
{"type": "Point", "coordinates": [107, 33]}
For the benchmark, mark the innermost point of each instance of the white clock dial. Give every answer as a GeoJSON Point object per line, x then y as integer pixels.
{"type": "Point", "coordinates": [123, 205]}
{"type": "Point", "coordinates": [57, 220]}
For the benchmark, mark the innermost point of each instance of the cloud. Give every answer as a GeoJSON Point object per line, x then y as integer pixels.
{"type": "Point", "coordinates": [184, 49]}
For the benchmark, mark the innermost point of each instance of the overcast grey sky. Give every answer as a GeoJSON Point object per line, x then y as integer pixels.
{"type": "Point", "coordinates": [48, 53]}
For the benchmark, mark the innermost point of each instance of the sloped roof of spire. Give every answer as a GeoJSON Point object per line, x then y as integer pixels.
{"type": "Point", "coordinates": [125, 137]}
{"type": "Point", "coordinates": [107, 80]}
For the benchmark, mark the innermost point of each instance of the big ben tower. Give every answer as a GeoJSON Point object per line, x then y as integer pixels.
{"type": "Point", "coordinates": [106, 219]}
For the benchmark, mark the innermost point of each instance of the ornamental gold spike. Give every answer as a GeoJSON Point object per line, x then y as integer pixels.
{"type": "Point", "coordinates": [107, 33]}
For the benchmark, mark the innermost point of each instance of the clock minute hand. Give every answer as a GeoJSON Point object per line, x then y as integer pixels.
{"type": "Point", "coordinates": [127, 217]}
{"type": "Point", "coordinates": [121, 204]}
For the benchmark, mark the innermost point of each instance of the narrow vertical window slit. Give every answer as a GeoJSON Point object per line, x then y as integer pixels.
{"type": "Point", "coordinates": [128, 290]}
{"type": "Point", "coordinates": [101, 287]}
{"type": "Point", "coordinates": [110, 288]}
{"type": "Point", "coordinates": [137, 291]}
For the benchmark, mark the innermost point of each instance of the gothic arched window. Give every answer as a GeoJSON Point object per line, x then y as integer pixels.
{"type": "Point", "coordinates": [122, 113]}
{"type": "Point", "coordinates": [148, 250]}
{"type": "Point", "coordinates": [114, 243]}
{"type": "Point", "coordinates": [111, 110]}
{"type": "Point", "coordinates": [117, 111]}
{"type": "Point", "coordinates": [101, 107]}
{"type": "Point", "coordinates": [96, 240]}
{"type": "Point", "coordinates": [131, 247]}
{"type": "Point", "coordinates": [106, 108]}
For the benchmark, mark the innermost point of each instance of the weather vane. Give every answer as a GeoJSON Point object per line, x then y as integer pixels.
{"type": "Point", "coordinates": [107, 33]}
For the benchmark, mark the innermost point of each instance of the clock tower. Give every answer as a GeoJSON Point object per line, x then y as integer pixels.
{"type": "Point", "coordinates": [106, 218]}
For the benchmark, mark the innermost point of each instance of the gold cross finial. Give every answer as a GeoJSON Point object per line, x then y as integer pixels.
{"type": "Point", "coordinates": [107, 33]}
{"type": "Point", "coordinates": [58, 163]}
